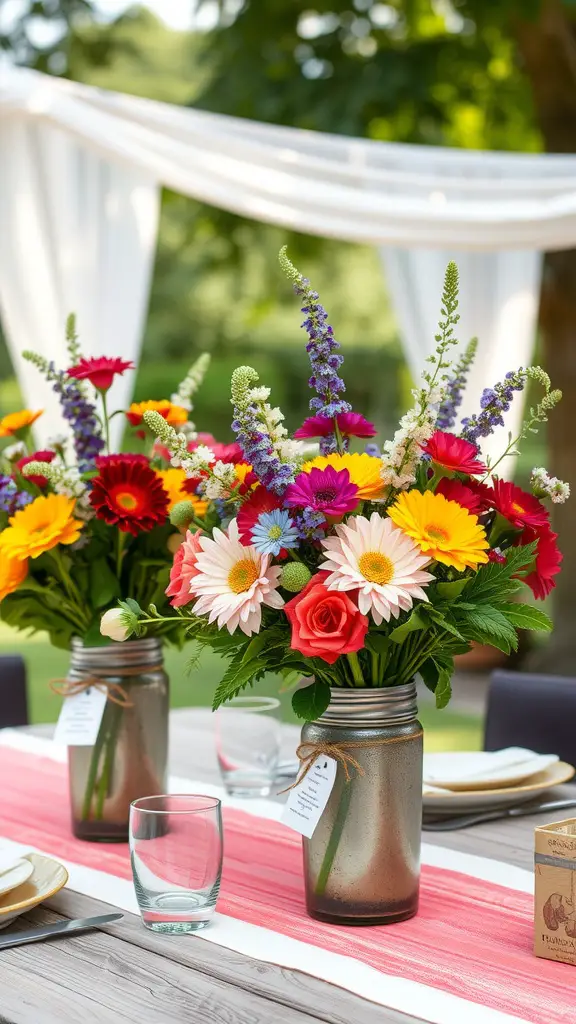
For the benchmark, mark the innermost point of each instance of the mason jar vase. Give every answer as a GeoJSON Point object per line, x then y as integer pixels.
{"type": "Point", "coordinates": [362, 864]}
{"type": "Point", "coordinates": [130, 756]}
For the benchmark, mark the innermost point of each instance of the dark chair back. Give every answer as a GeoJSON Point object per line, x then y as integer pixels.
{"type": "Point", "coordinates": [13, 698]}
{"type": "Point", "coordinates": [533, 711]}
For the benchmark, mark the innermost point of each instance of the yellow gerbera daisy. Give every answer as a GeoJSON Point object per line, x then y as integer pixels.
{"type": "Point", "coordinates": [364, 471]}
{"type": "Point", "coordinates": [173, 481]}
{"type": "Point", "coordinates": [16, 421]}
{"type": "Point", "coordinates": [12, 574]}
{"type": "Point", "coordinates": [444, 530]}
{"type": "Point", "coordinates": [43, 524]}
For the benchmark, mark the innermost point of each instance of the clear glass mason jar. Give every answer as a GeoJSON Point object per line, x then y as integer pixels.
{"type": "Point", "coordinates": [362, 864]}
{"type": "Point", "coordinates": [129, 759]}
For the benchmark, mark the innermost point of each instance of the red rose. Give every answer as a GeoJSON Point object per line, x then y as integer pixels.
{"type": "Point", "coordinates": [325, 623]}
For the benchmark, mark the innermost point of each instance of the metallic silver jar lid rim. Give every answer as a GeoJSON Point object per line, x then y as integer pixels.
{"type": "Point", "coordinates": [131, 653]}
{"type": "Point", "coordinates": [375, 706]}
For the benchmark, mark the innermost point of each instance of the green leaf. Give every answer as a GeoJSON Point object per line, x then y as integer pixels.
{"type": "Point", "coordinates": [430, 673]}
{"type": "Point", "coordinates": [104, 584]}
{"type": "Point", "coordinates": [444, 622]}
{"type": "Point", "coordinates": [494, 579]}
{"type": "Point", "coordinates": [413, 623]}
{"type": "Point", "coordinates": [311, 701]}
{"type": "Point", "coordinates": [525, 616]}
{"type": "Point", "coordinates": [93, 637]}
{"type": "Point", "coordinates": [377, 642]}
{"type": "Point", "coordinates": [487, 625]}
{"type": "Point", "coordinates": [443, 690]}
{"type": "Point", "coordinates": [236, 677]}
{"type": "Point", "coordinates": [449, 591]}
{"type": "Point", "coordinates": [133, 606]}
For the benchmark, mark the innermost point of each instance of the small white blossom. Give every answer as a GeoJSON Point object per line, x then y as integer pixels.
{"type": "Point", "coordinates": [57, 441]}
{"type": "Point", "coordinates": [546, 486]}
{"type": "Point", "coordinates": [258, 394]}
{"type": "Point", "coordinates": [15, 451]}
{"type": "Point", "coordinates": [191, 383]}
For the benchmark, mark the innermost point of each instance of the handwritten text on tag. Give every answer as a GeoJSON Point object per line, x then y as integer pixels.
{"type": "Point", "coordinates": [307, 801]}
{"type": "Point", "coordinates": [80, 718]}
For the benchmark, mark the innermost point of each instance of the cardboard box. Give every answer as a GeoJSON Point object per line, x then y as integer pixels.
{"type": "Point", "coordinates": [555, 891]}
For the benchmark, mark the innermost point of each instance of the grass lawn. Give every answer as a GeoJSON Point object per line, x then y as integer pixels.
{"type": "Point", "coordinates": [443, 729]}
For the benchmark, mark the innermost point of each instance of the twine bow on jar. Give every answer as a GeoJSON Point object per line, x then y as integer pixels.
{"type": "Point", "coordinates": [115, 692]}
{"type": "Point", "coordinates": [307, 753]}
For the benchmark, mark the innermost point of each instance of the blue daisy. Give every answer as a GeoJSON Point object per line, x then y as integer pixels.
{"type": "Point", "coordinates": [274, 531]}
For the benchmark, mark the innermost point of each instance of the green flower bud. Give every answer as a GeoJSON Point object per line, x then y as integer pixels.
{"type": "Point", "coordinates": [294, 577]}
{"type": "Point", "coordinates": [182, 514]}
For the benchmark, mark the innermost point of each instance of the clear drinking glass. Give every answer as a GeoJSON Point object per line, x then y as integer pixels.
{"type": "Point", "coordinates": [176, 854]}
{"type": "Point", "coordinates": [248, 738]}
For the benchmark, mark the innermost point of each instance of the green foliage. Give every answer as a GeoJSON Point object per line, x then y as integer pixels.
{"type": "Point", "coordinates": [311, 701]}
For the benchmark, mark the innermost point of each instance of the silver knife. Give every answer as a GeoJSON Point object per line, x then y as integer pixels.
{"type": "Point", "coordinates": [465, 820]}
{"type": "Point", "coordinates": [60, 928]}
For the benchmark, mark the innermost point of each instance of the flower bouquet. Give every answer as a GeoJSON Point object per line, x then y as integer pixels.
{"type": "Point", "coordinates": [359, 570]}
{"type": "Point", "coordinates": [80, 527]}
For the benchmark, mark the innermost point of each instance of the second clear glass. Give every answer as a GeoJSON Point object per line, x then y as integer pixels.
{"type": "Point", "coordinates": [248, 739]}
{"type": "Point", "coordinates": [176, 855]}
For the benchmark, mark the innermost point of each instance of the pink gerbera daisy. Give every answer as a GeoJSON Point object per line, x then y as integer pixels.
{"type": "Point", "coordinates": [350, 424]}
{"type": "Point", "coordinates": [329, 491]}
{"type": "Point", "coordinates": [377, 560]}
{"type": "Point", "coordinates": [233, 581]}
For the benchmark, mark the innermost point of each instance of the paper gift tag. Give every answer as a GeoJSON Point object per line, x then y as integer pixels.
{"type": "Point", "coordinates": [308, 799]}
{"type": "Point", "coordinates": [80, 718]}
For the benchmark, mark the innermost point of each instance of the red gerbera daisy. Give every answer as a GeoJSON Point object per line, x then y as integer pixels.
{"type": "Point", "coordinates": [259, 501]}
{"type": "Point", "coordinates": [453, 454]}
{"type": "Point", "coordinates": [350, 424]}
{"type": "Point", "coordinates": [455, 490]}
{"type": "Point", "coordinates": [517, 506]}
{"type": "Point", "coordinates": [101, 371]}
{"type": "Point", "coordinates": [43, 456]}
{"type": "Point", "coordinates": [546, 562]}
{"type": "Point", "coordinates": [128, 494]}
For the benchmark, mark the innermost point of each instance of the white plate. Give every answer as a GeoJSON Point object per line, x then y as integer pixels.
{"type": "Point", "coordinates": [16, 875]}
{"type": "Point", "coordinates": [481, 769]}
{"type": "Point", "coordinates": [448, 802]}
{"type": "Point", "coordinates": [45, 880]}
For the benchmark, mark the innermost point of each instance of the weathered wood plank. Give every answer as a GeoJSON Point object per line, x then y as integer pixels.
{"type": "Point", "coordinates": [104, 978]}
{"type": "Point", "coordinates": [278, 985]}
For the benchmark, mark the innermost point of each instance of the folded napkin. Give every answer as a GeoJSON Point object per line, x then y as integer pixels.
{"type": "Point", "coordinates": [489, 766]}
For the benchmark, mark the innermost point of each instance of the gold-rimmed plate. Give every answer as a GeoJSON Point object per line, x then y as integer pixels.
{"type": "Point", "coordinates": [453, 802]}
{"type": "Point", "coordinates": [47, 878]}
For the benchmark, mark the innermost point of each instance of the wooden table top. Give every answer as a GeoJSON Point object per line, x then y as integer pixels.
{"type": "Point", "coordinates": [126, 973]}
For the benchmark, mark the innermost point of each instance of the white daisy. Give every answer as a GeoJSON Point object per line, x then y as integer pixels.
{"type": "Point", "coordinates": [375, 558]}
{"type": "Point", "coordinates": [233, 582]}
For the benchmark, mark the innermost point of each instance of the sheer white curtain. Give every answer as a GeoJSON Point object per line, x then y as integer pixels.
{"type": "Point", "coordinates": [498, 305]}
{"type": "Point", "coordinates": [78, 208]}
{"type": "Point", "coordinates": [78, 234]}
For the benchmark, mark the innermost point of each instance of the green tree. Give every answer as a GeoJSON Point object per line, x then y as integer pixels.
{"type": "Point", "coordinates": [498, 74]}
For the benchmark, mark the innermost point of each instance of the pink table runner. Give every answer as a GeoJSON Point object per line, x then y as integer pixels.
{"type": "Point", "coordinates": [471, 938]}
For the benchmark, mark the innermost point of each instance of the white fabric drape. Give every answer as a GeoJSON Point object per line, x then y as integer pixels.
{"type": "Point", "coordinates": [78, 205]}
{"type": "Point", "coordinates": [78, 234]}
{"type": "Point", "coordinates": [498, 305]}
{"type": "Point", "coordinates": [354, 189]}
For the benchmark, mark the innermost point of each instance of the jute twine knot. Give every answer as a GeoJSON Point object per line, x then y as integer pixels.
{"type": "Point", "coordinates": [115, 692]}
{"type": "Point", "coordinates": [308, 752]}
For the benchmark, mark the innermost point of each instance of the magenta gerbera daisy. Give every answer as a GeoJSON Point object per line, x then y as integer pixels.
{"type": "Point", "coordinates": [328, 490]}
{"type": "Point", "coordinates": [350, 424]}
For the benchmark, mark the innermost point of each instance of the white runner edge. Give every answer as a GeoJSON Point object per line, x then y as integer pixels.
{"type": "Point", "coordinates": [259, 943]}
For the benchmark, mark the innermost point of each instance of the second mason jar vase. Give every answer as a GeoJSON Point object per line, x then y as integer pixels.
{"type": "Point", "coordinates": [362, 864]}
{"type": "Point", "coordinates": [129, 758]}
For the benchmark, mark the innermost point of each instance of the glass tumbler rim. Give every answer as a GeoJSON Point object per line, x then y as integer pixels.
{"type": "Point", "coordinates": [212, 803]}
{"type": "Point", "coordinates": [250, 704]}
